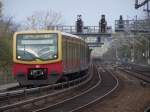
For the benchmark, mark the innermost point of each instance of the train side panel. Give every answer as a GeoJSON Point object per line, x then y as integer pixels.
{"type": "Point", "coordinates": [74, 56]}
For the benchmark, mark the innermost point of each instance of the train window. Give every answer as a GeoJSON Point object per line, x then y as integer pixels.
{"type": "Point", "coordinates": [31, 47]}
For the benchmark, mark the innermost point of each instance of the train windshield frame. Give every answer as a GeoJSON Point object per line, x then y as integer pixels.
{"type": "Point", "coordinates": [33, 47]}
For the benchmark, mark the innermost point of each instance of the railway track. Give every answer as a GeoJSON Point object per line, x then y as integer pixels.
{"type": "Point", "coordinates": [70, 99]}
{"type": "Point", "coordinates": [107, 83]}
{"type": "Point", "coordinates": [144, 76]}
{"type": "Point", "coordinates": [69, 86]}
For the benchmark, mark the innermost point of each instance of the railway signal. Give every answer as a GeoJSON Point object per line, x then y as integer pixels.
{"type": "Point", "coordinates": [103, 24]}
{"type": "Point", "coordinates": [121, 22]}
{"type": "Point", "coordinates": [79, 24]}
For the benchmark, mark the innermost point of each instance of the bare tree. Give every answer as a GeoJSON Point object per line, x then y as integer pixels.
{"type": "Point", "coordinates": [7, 26]}
{"type": "Point", "coordinates": [43, 20]}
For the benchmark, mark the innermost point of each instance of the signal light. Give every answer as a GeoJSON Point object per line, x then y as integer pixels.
{"type": "Point", "coordinates": [79, 24]}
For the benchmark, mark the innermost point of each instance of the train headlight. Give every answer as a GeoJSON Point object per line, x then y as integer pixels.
{"type": "Point", "coordinates": [19, 57]}
{"type": "Point", "coordinates": [55, 56]}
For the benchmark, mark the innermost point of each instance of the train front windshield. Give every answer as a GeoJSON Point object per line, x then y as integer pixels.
{"type": "Point", "coordinates": [31, 47]}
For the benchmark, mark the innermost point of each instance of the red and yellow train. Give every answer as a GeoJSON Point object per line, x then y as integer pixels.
{"type": "Point", "coordinates": [44, 57]}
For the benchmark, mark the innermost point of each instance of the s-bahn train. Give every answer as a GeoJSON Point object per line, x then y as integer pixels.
{"type": "Point", "coordinates": [45, 57]}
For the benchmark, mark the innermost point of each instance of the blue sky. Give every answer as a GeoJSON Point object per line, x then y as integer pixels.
{"type": "Point", "coordinates": [91, 10]}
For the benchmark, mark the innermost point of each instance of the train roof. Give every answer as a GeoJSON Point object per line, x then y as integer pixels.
{"type": "Point", "coordinates": [48, 31]}
{"type": "Point", "coordinates": [70, 35]}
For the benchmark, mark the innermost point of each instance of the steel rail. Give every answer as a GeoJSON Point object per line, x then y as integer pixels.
{"type": "Point", "coordinates": [51, 106]}
{"type": "Point", "coordinates": [138, 75]}
{"type": "Point", "coordinates": [99, 98]}
{"type": "Point", "coordinates": [13, 94]}
{"type": "Point", "coordinates": [147, 109]}
{"type": "Point", "coordinates": [45, 109]}
{"type": "Point", "coordinates": [76, 83]}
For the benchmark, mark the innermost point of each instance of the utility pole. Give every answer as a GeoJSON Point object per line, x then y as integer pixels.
{"type": "Point", "coordinates": [148, 52]}
{"type": "Point", "coordinates": [133, 41]}
{"type": "Point", "coordinates": [137, 6]}
{"type": "Point", "coordinates": [148, 11]}
{"type": "Point", "coordinates": [148, 20]}
{"type": "Point", "coordinates": [147, 42]}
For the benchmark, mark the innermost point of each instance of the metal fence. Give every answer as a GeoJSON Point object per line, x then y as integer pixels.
{"type": "Point", "coordinates": [132, 25]}
{"type": "Point", "coordinates": [86, 29]}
